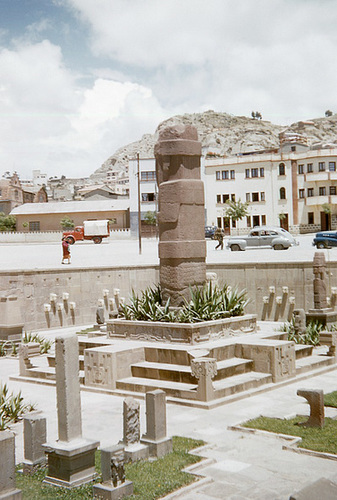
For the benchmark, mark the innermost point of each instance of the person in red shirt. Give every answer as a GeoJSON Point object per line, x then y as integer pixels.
{"type": "Point", "coordinates": [66, 251]}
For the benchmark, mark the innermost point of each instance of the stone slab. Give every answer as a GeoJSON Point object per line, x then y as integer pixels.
{"type": "Point", "coordinates": [322, 489]}
{"type": "Point", "coordinates": [106, 491]}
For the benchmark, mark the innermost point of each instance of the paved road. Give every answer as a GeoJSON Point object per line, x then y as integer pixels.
{"type": "Point", "coordinates": [126, 252]}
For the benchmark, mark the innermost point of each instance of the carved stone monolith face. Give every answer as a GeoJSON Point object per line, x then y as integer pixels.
{"type": "Point", "coordinates": [182, 245]}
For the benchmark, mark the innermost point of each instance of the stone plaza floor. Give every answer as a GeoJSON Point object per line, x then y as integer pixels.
{"type": "Point", "coordinates": [244, 466]}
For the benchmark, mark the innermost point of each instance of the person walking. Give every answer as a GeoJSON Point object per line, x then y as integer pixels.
{"type": "Point", "coordinates": [218, 235]}
{"type": "Point", "coordinates": [65, 250]}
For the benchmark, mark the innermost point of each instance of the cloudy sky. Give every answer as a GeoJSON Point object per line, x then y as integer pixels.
{"type": "Point", "coordinates": [80, 78]}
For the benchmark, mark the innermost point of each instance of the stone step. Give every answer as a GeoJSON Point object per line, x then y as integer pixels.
{"type": "Point", "coordinates": [302, 351]}
{"type": "Point", "coordinates": [51, 361]}
{"type": "Point", "coordinates": [182, 373]}
{"type": "Point", "coordinates": [313, 362]}
{"type": "Point", "coordinates": [223, 388]}
{"type": "Point", "coordinates": [240, 383]}
{"type": "Point", "coordinates": [179, 355]}
{"type": "Point", "coordinates": [92, 342]}
{"type": "Point", "coordinates": [138, 384]}
{"type": "Point", "coordinates": [49, 373]}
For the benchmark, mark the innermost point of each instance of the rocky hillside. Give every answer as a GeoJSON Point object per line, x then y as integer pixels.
{"type": "Point", "coordinates": [225, 135]}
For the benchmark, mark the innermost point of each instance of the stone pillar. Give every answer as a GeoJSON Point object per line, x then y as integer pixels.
{"type": "Point", "coordinates": [315, 399]}
{"type": "Point", "coordinates": [35, 435]}
{"type": "Point", "coordinates": [159, 444]}
{"type": "Point", "coordinates": [114, 485]}
{"type": "Point", "coordinates": [133, 450]}
{"type": "Point", "coordinates": [181, 216]}
{"type": "Point", "coordinates": [71, 459]}
{"type": "Point", "coordinates": [11, 323]}
{"type": "Point", "coordinates": [204, 369]}
{"type": "Point", "coordinates": [8, 489]}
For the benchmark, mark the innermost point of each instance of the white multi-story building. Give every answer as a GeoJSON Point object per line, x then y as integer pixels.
{"type": "Point", "coordinates": [294, 187]}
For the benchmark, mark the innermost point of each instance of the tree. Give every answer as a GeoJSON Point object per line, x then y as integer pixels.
{"type": "Point", "coordinates": [67, 222]}
{"type": "Point", "coordinates": [236, 210]}
{"type": "Point", "coordinates": [256, 115]}
{"type": "Point", "coordinates": [328, 113]}
{"type": "Point", "coordinates": [150, 218]}
{"type": "Point", "coordinates": [7, 222]}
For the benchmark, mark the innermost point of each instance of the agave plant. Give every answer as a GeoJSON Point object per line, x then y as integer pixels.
{"type": "Point", "coordinates": [210, 303]}
{"type": "Point", "coordinates": [45, 344]}
{"type": "Point", "coordinates": [148, 307]}
{"type": "Point", "coordinates": [309, 337]}
{"type": "Point", "coordinates": [12, 407]}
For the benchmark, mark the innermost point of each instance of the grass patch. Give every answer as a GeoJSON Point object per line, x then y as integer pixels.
{"type": "Point", "coordinates": [151, 480]}
{"type": "Point", "coordinates": [313, 438]}
{"type": "Point", "coordinates": [331, 399]}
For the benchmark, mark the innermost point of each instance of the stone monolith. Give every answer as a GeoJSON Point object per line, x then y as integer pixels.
{"type": "Point", "coordinates": [181, 215]}
{"type": "Point", "coordinates": [71, 459]}
{"type": "Point", "coordinates": [159, 444]}
{"type": "Point", "coordinates": [8, 489]}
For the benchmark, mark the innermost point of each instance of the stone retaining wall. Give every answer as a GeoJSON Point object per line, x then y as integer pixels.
{"type": "Point", "coordinates": [273, 287]}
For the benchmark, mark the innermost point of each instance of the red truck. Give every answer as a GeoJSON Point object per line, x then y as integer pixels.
{"type": "Point", "coordinates": [94, 230]}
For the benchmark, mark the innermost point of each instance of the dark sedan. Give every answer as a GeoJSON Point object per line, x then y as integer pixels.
{"type": "Point", "coordinates": [209, 231]}
{"type": "Point", "coordinates": [325, 239]}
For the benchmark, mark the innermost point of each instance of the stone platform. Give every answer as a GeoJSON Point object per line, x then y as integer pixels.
{"type": "Point", "coordinates": [203, 375]}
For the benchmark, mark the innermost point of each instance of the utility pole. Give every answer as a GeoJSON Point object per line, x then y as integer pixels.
{"type": "Point", "coordinates": [139, 209]}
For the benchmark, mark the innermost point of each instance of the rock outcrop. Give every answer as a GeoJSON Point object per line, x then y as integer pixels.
{"type": "Point", "coordinates": [225, 135]}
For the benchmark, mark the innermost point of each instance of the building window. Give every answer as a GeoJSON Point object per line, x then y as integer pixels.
{"type": "Point", "coordinates": [263, 220]}
{"type": "Point", "coordinates": [310, 192]}
{"type": "Point", "coordinates": [233, 223]}
{"type": "Point", "coordinates": [311, 218]}
{"type": "Point", "coordinates": [232, 174]}
{"type": "Point", "coordinates": [247, 173]}
{"type": "Point", "coordinates": [310, 168]}
{"type": "Point", "coordinates": [256, 220]}
{"type": "Point", "coordinates": [255, 196]}
{"type": "Point", "coordinates": [148, 176]}
{"type": "Point", "coordinates": [332, 190]}
{"type": "Point", "coordinates": [293, 148]}
{"type": "Point", "coordinates": [249, 221]}
{"type": "Point", "coordinates": [16, 194]}
{"type": "Point", "coordinates": [301, 193]}
{"type": "Point", "coordinates": [261, 172]}
{"type": "Point", "coordinates": [282, 193]}
{"type": "Point", "coordinates": [262, 196]}
{"type": "Point", "coordinates": [225, 174]}
{"type": "Point", "coordinates": [34, 226]}
{"type": "Point", "coordinates": [301, 169]}
{"type": "Point", "coordinates": [322, 191]}
{"type": "Point", "coordinates": [321, 166]}
{"type": "Point", "coordinates": [219, 221]}
{"type": "Point", "coordinates": [247, 196]}
{"type": "Point", "coordinates": [282, 169]}
{"type": "Point", "coordinates": [332, 166]}
{"type": "Point", "coordinates": [255, 172]}
{"type": "Point", "coordinates": [225, 197]}
{"type": "Point", "coordinates": [233, 197]}
{"type": "Point", "coordinates": [217, 175]}
{"type": "Point", "coordinates": [148, 197]}
{"type": "Point", "coordinates": [218, 198]}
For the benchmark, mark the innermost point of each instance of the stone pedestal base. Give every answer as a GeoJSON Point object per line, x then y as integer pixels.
{"type": "Point", "coordinates": [158, 448]}
{"type": "Point", "coordinates": [29, 468]}
{"type": "Point", "coordinates": [11, 495]}
{"type": "Point", "coordinates": [71, 464]}
{"type": "Point", "coordinates": [108, 491]}
{"type": "Point", "coordinates": [135, 452]}
{"type": "Point", "coordinates": [324, 316]}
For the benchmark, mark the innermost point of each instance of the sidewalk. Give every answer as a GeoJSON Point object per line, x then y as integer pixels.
{"type": "Point", "coordinates": [247, 466]}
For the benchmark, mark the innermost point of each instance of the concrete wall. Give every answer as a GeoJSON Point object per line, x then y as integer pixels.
{"type": "Point", "coordinates": [50, 236]}
{"type": "Point", "coordinates": [85, 287]}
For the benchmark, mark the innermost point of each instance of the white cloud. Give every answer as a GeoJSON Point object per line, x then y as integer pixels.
{"type": "Point", "coordinates": [48, 121]}
{"type": "Point", "coordinates": [275, 55]}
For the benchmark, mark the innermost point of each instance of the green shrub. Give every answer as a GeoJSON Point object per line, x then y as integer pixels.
{"type": "Point", "coordinates": [45, 344]}
{"type": "Point", "coordinates": [12, 407]}
{"type": "Point", "coordinates": [309, 337]}
{"type": "Point", "coordinates": [205, 303]}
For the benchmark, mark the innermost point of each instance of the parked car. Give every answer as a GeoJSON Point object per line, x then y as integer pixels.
{"type": "Point", "coordinates": [325, 239]}
{"type": "Point", "coordinates": [209, 231]}
{"type": "Point", "coordinates": [263, 236]}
